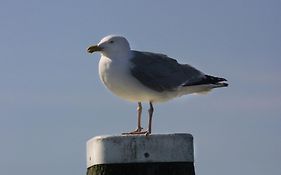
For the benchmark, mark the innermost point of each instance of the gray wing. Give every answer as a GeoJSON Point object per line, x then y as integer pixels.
{"type": "Point", "coordinates": [161, 73]}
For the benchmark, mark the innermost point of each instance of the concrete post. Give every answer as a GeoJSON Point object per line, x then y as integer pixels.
{"type": "Point", "coordinates": [159, 154]}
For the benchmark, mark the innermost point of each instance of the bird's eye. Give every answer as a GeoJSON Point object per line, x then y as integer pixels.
{"type": "Point", "coordinates": [111, 42]}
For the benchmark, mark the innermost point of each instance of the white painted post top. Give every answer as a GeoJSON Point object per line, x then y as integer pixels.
{"type": "Point", "coordinates": [140, 149]}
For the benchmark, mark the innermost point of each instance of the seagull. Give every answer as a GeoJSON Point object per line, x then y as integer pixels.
{"type": "Point", "coordinates": [139, 76]}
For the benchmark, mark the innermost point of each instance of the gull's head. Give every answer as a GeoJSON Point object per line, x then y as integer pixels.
{"type": "Point", "coordinates": [111, 45]}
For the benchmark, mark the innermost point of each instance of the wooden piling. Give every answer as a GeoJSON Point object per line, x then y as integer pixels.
{"type": "Point", "coordinates": [157, 154]}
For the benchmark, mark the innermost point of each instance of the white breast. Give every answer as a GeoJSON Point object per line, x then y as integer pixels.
{"type": "Point", "coordinates": [117, 78]}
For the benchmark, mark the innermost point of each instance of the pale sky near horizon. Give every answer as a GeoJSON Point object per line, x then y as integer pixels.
{"type": "Point", "coordinates": [52, 101]}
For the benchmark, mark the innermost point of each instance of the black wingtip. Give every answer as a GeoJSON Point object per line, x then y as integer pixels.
{"type": "Point", "coordinates": [216, 80]}
{"type": "Point", "coordinates": [223, 84]}
{"type": "Point", "coordinates": [209, 80]}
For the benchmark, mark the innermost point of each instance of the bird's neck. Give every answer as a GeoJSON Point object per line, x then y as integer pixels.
{"type": "Point", "coordinates": [120, 56]}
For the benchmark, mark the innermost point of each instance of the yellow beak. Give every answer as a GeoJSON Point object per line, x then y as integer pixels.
{"type": "Point", "coordinates": [94, 48]}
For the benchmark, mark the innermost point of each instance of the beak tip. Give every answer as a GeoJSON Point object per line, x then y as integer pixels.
{"type": "Point", "coordinates": [92, 49]}
{"type": "Point", "coordinates": [89, 50]}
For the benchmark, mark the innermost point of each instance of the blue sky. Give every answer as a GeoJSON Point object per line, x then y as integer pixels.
{"type": "Point", "coordinates": [52, 101]}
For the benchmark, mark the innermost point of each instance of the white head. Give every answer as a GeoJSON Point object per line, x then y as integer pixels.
{"type": "Point", "coordinates": [111, 46]}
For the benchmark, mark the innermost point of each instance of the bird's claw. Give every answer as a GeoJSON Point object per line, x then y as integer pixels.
{"type": "Point", "coordinates": [138, 131]}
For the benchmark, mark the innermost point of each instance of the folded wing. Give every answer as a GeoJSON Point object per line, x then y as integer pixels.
{"type": "Point", "coordinates": [161, 73]}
